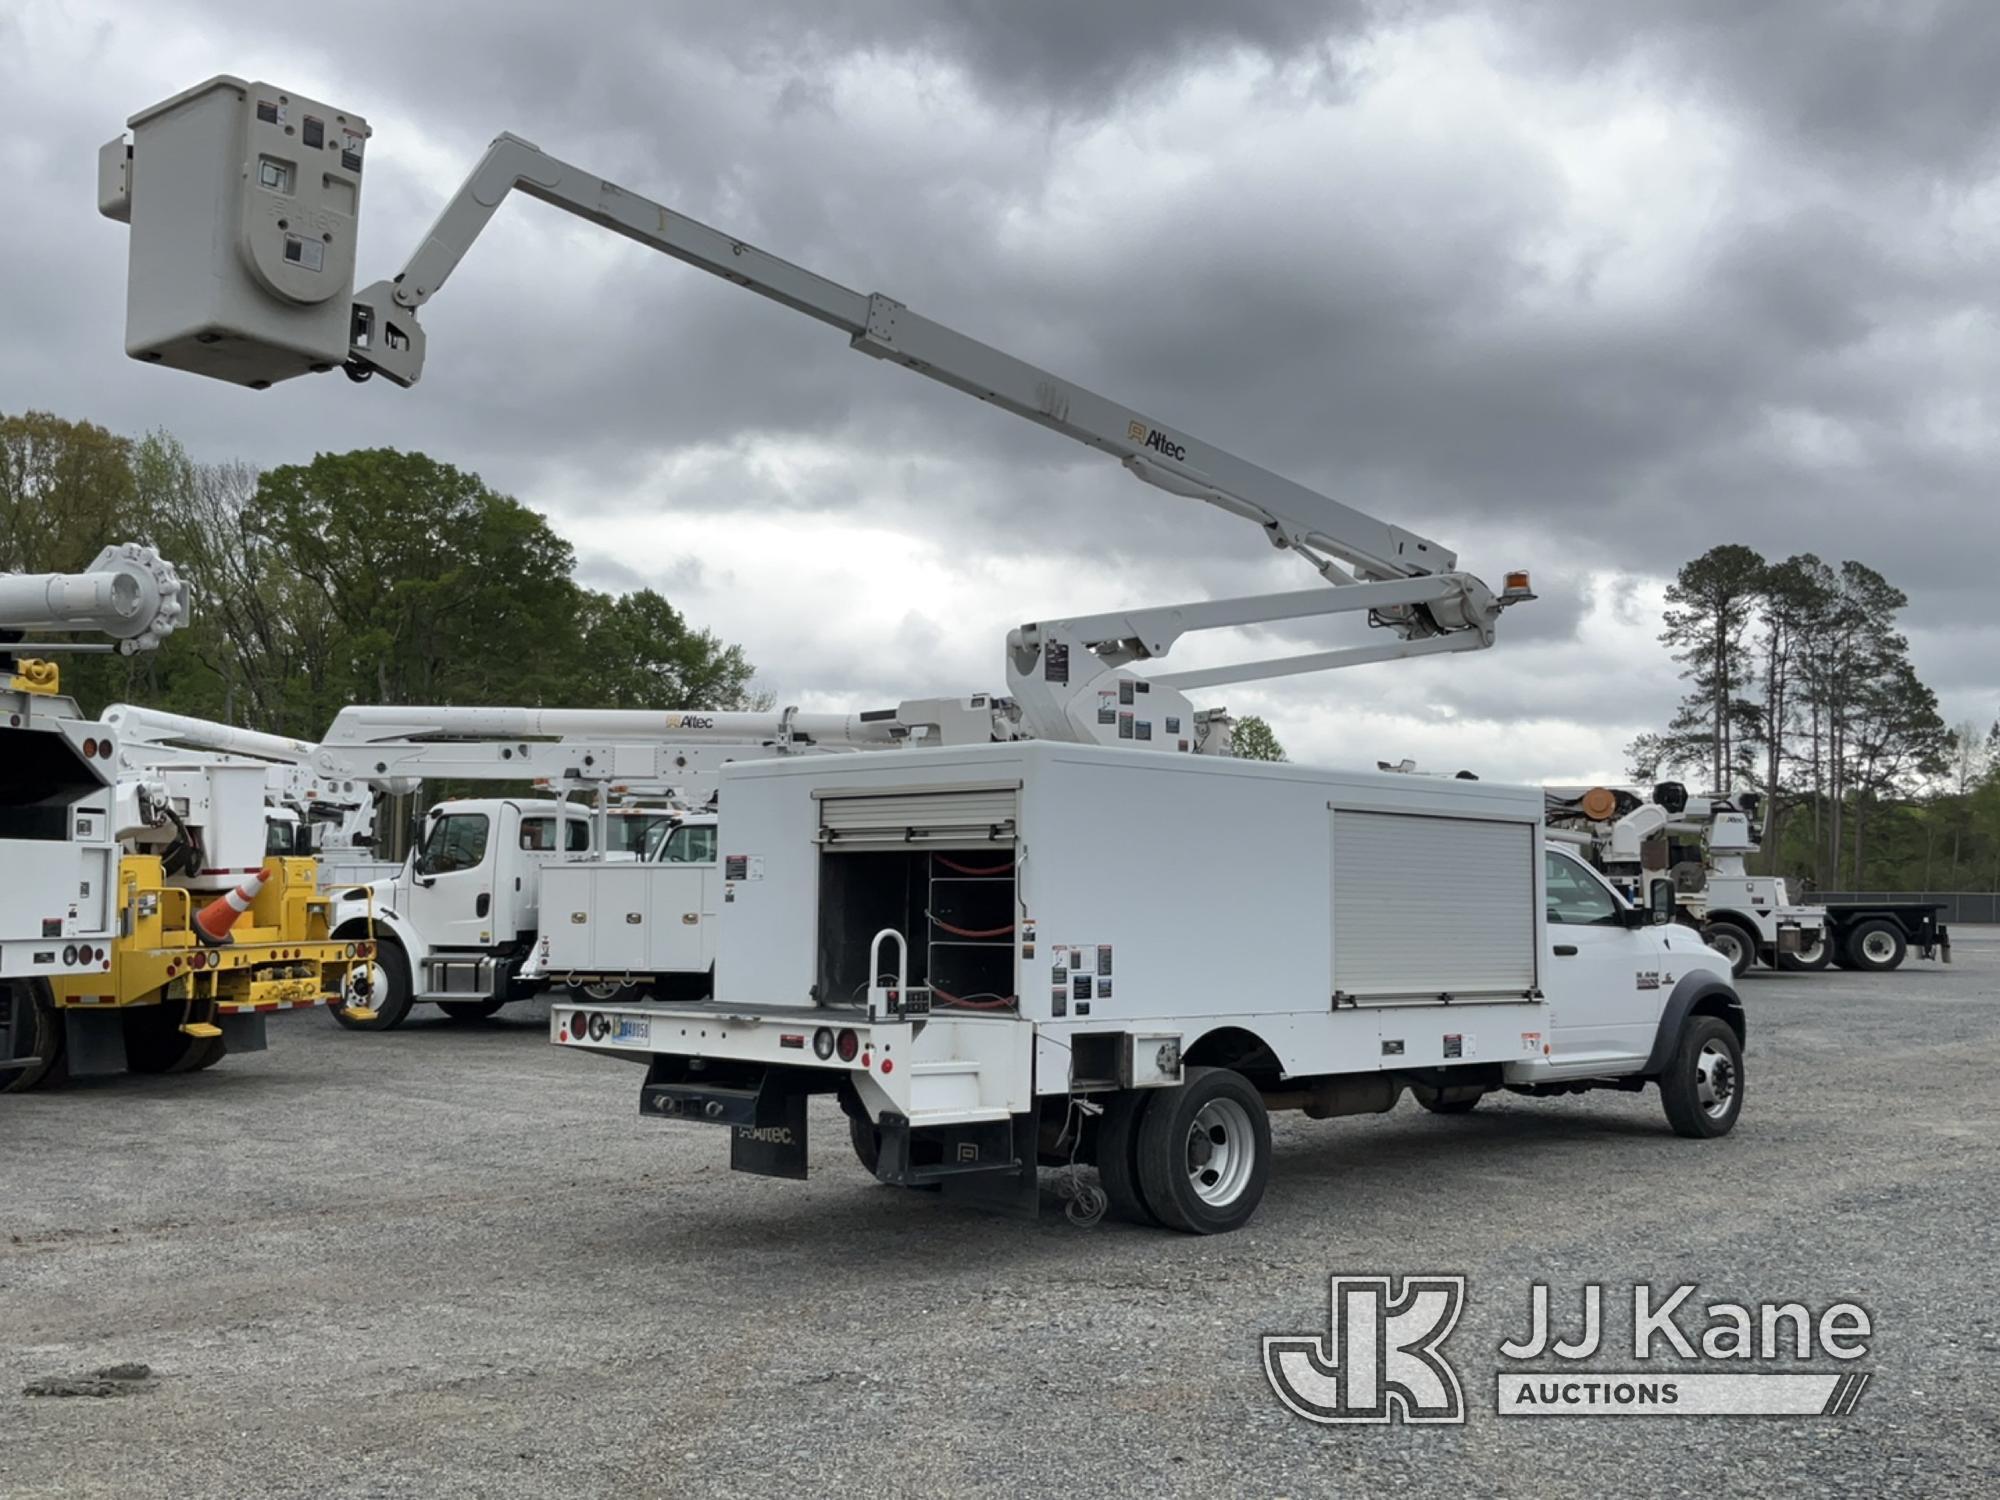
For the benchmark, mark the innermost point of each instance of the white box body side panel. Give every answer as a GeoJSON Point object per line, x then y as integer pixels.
{"type": "Point", "coordinates": [1211, 883]}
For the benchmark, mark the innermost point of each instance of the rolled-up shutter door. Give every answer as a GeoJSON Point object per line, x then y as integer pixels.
{"type": "Point", "coordinates": [1425, 907]}
{"type": "Point", "coordinates": [975, 816]}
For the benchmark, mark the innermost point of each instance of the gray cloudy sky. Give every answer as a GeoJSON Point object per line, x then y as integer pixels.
{"type": "Point", "coordinates": [1586, 286]}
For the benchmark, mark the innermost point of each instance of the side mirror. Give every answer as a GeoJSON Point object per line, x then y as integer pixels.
{"type": "Point", "coordinates": [1661, 907]}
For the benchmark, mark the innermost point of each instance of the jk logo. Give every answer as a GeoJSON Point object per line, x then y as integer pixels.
{"type": "Point", "coordinates": [1380, 1362]}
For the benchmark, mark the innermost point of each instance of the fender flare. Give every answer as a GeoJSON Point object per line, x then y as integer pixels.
{"type": "Point", "coordinates": [1698, 993]}
{"type": "Point", "coordinates": [388, 924]}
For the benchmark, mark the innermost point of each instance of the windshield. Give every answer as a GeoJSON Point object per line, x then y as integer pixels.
{"type": "Point", "coordinates": [637, 833]}
{"type": "Point", "coordinates": [690, 844]}
{"type": "Point", "coordinates": [457, 841]}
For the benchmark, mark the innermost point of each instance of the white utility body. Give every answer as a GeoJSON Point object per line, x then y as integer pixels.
{"type": "Point", "coordinates": [962, 942]}
{"type": "Point", "coordinates": [1105, 796]}
{"type": "Point", "coordinates": [643, 924]}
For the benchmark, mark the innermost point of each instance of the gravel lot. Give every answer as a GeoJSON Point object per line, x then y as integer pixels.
{"type": "Point", "coordinates": [452, 1260]}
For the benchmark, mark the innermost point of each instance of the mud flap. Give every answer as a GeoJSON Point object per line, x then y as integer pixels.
{"type": "Point", "coordinates": [95, 1041]}
{"type": "Point", "coordinates": [242, 1033]}
{"type": "Point", "coordinates": [777, 1149]}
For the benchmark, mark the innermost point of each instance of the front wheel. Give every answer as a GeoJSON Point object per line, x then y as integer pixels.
{"type": "Point", "coordinates": [1702, 1089]}
{"type": "Point", "coordinates": [382, 984]}
{"type": "Point", "coordinates": [1734, 942]}
{"type": "Point", "coordinates": [1204, 1152]}
{"type": "Point", "coordinates": [1877, 946]}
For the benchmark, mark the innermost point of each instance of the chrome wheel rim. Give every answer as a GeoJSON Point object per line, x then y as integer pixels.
{"type": "Point", "coordinates": [604, 989]}
{"type": "Point", "coordinates": [1715, 1080]}
{"type": "Point", "coordinates": [1221, 1151]}
{"type": "Point", "coordinates": [362, 985]}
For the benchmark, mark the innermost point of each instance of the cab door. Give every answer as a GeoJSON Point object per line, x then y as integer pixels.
{"type": "Point", "coordinates": [1602, 977]}
{"type": "Point", "coordinates": [451, 888]}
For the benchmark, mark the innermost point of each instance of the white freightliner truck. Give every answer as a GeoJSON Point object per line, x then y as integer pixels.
{"type": "Point", "coordinates": [456, 922]}
{"type": "Point", "coordinates": [1299, 951]}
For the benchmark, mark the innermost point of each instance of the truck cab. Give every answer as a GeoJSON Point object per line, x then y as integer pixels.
{"type": "Point", "coordinates": [458, 918]}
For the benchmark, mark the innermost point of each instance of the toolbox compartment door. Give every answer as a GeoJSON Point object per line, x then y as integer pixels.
{"type": "Point", "coordinates": [1428, 906]}
{"type": "Point", "coordinates": [978, 816]}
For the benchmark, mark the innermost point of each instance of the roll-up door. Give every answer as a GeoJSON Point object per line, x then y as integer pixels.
{"type": "Point", "coordinates": [961, 816]}
{"type": "Point", "coordinates": [1425, 907]}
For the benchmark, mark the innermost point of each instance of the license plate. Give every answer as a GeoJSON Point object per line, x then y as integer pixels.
{"type": "Point", "coordinates": [632, 1031]}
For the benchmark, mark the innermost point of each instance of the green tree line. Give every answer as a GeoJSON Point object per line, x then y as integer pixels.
{"type": "Point", "coordinates": [374, 576]}
{"type": "Point", "coordinates": [1801, 686]}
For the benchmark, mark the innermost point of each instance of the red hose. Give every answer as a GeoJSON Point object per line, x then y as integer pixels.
{"type": "Point", "coordinates": [996, 1004]}
{"type": "Point", "coordinates": [958, 869]}
{"type": "Point", "coordinates": [972, 932]}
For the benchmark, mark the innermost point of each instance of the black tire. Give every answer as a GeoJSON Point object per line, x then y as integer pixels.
{"type": "Point", "coordinates": [390, 998]}
{"type": "Point", "coordinates": [155, 1043]}
{"type": "Point", "coordinates": [1734, 942]}
{"type": "Point", "coordinates": [1439, 1106]}
{"type": "Point", "coordinates": [1811, 961]}
{"type": "Point", "coordinates": [33, 1031]}
{"type": "Point", "coordinates": [1885, 939]}
{"type": "Point", "coordinates": [1185, 1131]}
{"type": "Point", "coordinates": [867, 1138]}
{"type": "Point", "coordinates": [473, 1010]}
{"type": "Point", "coordinates": [1117, 1155]}
{"type": "Point", "coordinates": [1702, 1088]}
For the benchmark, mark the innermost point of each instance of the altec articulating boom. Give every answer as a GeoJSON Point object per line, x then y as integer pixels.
{"type": "Point", "coordinates": [1082, 941]}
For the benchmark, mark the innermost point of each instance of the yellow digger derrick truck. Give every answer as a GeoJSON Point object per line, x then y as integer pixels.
{"type": "Point", "coordinates": [148, 927]}
{"type": "Point", "coordinates": [164, 1001]}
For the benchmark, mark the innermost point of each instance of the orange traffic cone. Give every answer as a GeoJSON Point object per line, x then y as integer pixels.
{"type": "Point", "coordinates": [213, 921]}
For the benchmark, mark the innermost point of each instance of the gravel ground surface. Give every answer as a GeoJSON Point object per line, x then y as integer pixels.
{"type": "Point", "coordinates": [452, 1260]}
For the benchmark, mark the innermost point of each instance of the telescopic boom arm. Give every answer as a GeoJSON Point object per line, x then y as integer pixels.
{"type": "Point", "coordinates": [128, 592]}
{"type": "Point", "coordinates": [388, 341]}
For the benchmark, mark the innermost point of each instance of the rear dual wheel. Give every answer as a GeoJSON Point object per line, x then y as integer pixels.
{"type": "Point", "coordinates": [473, 1010]}
{"type": "Point", "coordinates": [1194, 1158]}
{"type": "Point", "coordinates": [1877, 947]}
{"type": "Point", "coordinates": [31, 1036]}
{"type": "Point", "coordinates": [155, 1043]}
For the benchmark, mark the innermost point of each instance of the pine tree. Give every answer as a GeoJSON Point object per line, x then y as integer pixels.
{"type": "Point", "coordinates": [1710, 606]}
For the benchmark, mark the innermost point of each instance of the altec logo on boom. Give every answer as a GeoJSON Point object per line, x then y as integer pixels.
{"type": "Point", "coordinates": [1383, 1359]}
{"type": "Point", "coordinates": [1158, 441]}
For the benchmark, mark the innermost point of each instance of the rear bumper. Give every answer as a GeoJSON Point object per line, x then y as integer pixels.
{"type": "Point", "coordinates": [946, 1071]}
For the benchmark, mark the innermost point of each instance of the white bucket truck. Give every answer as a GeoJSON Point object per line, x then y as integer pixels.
{"type": "Point", "coordinates": [1313, 947]}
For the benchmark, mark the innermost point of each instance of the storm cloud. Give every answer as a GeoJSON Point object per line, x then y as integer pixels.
{"type": "Point", "coordinates": [1582, 287]}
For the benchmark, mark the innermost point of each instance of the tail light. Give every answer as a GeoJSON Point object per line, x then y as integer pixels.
{"type": "Point", "coordinates": [823, 1043]}
{"type": "Point", "coordinates": [848, 1043]}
